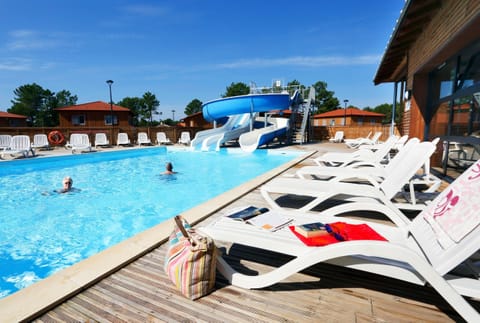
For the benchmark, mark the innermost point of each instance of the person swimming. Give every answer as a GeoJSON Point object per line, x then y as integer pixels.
{"type": "Point", "coordinates": [168, 169]}
{"type": "Point", "coordinates": [67, 184]}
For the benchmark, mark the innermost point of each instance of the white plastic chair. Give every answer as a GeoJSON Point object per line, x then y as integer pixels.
{"type": "Point", "coordinates": [122, 139]}
{"type": "Point", "coordinates": [101, 139]}
{"type": "Point", "coordinates": [18, 145]}
{"type": "Point", "coordinates": [162, 139]}
{"type": "Point", "coordinates": [338, 137]}
{"type": "Point", "coordinates": [5, 141]}
{"type": "Point", "coordinates": [40, 141]}
{"type": "Point", "coordinates": [79, 142]}
{"type": "Point", "coordinates": [143, 139]}
{"type": "Point", "coordinates": [184, 138]}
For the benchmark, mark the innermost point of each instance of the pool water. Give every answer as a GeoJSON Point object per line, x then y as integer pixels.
{"type": "Point", "coordinates": [120, 194]}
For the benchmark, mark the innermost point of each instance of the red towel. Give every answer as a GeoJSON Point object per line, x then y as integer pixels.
{"type": "Point", "coordinates": [345, 230]}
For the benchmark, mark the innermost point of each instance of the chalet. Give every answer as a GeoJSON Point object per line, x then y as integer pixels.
{"type": "Point", "coordinates": [433, 59]}
{"type": "Point", "coordinates": [12, 120]}
{"type": "Point", "coordinates": [196, 120]}
{"type": "Point", "coordinates": [94, 114]}
{"type": "Point", "coordinates": [348, 117]}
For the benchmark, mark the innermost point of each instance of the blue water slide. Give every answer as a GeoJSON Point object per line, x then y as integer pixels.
{"type": "Point", "coordinates": [251, 103]}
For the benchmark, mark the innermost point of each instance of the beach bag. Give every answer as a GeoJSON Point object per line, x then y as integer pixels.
{"type": "Point", "coordinates": [191, 260]}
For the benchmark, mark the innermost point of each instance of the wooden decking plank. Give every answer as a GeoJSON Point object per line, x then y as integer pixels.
{"type": "Point", "coordinates": [146, 301]}
{"type": "Point", "coordinates": [111, 305]}
{"type": "Point", "coordinates": [165, 286]}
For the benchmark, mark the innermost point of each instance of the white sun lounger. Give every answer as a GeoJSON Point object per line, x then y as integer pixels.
{"type": "Point", "coordinates": [40, 141]}
{"type": "Point", "coordinates": [184, 138]}
{"type": "Point", "coordinates": [79, 142]}
{"type": "Point", "coordinates": [375, 173]}
{"type": "Point", "coordinates": [5, 141]}
{"type": "Point", "coordinates": [18, 145]}
{"type": "Point", "coordinates": [101, 140]}
{"type": "Point", "coordinates": [122, 139]}
{"type": "Point", "coordinates": [342, 159]}
{"type": "Point", "coordinates": [338, 137]}
{"type": "Point", "coordinates": [382, 193]}
{"type": "Point", "coordinates": [162, 139]}
{"type": "Point", "coordinates": [430, 249]}
{"type": "Point", "coordinates": [356, 143]}
{"type": "Point", "coordinates": [143, 139]}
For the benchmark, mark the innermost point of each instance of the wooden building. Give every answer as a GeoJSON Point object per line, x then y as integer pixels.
{"type": "Point", "coordinates": [348, 117]}
{"type": "Point", "coordinates": [12, 120]}
{"type": "Point", "coordinates": [433, 59]}
{"type": "Point", "coordinates": [196, 120]}
{"type": "Point", "coordinates": [94, 114]}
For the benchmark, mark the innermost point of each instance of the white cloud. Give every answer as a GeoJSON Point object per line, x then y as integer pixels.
{"type": "Point", "coordinates": [308, 61]}
{"type": "Point", "coordinates": [23, 39]}
{"type": "Point", "coordinates": [146, 10]}
{"type": "Point", "coordinates": [15, 64]}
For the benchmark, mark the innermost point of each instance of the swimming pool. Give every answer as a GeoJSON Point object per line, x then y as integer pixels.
{"type": "Point", "coordinates": [122, 193]}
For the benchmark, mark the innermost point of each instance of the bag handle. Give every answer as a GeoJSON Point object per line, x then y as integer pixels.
{"type": "Point", "coordinates": [179, 222]}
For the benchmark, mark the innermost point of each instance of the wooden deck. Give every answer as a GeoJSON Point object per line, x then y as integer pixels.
{"type": "Point", "coordinates": [141, 292]}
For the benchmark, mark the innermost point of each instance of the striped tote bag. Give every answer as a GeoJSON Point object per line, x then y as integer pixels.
{"type": "Point", "coordinates": [191, 259]}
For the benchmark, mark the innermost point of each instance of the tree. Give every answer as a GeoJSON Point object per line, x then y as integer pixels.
{"type": "Point", "coordinates": [53, 101]}
{"type": "Point", "coordinates": [150, 105]}
{"type": "Point", "coordinates": [39, 105]}
{"type": "Point", "coordinates": [386, 109]}
{"type": "Point", "coordinates": [28, 101]}
{"type": "Point", "coordinates": [135, 106]}
{"type": "Point", "coordinates": [193, 107]}
{"type": "Point", "coordinates": [236, 89]}
{"type": "Point", "coordinates": [142, 108]}
{"type": "Point", "coordinates": [324, 99]}
{"type": "Point", "coordinates": [169, 122]}
{"type": "Point", "coordinates": [295, 85]}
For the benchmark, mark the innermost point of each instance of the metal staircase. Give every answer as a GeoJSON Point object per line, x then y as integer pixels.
{"type": "Point", "coordinates": [300, 117]}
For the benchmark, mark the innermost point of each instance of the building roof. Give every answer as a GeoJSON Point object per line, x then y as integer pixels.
{"type": "Point", "coordinates": [93, 106]}
{"type": "Point", "coordinates": [414, 17]}
{"type": "Point", "coordinates": [4, 114]}
{"type": "Point", "coordinates": [350, 112]}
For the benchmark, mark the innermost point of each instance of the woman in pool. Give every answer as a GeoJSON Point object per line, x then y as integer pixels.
{"type": "Point", "coordinates": [168, 169]}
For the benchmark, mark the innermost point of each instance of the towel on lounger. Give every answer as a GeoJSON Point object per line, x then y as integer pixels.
{"type": "Point", "coordinates": [341, 231]}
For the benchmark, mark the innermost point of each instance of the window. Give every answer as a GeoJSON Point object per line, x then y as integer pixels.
{"type": "Point", "coordinates": [108, 119]}
{"type": "Point", "coordinates": [78, 120]}
{"type": "Point", "coordinates": [332, 122]}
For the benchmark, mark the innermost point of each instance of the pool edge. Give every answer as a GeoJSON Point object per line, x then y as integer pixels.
{"type": "Point", "coordinates": [51, 291]}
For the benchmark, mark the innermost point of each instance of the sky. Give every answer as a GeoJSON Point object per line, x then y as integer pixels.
{"type": "Point", "coordinates": [182, 50]}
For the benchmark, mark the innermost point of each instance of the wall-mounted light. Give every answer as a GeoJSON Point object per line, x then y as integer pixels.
{"type": "Point", "coordinates": [407, 95]}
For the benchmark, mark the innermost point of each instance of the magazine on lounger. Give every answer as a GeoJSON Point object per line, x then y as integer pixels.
{"type": "Point", "coordinates": [260, 217]}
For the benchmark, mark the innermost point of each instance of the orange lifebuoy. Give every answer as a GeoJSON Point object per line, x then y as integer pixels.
{"type": "Point", "coordinates": [56, 137]}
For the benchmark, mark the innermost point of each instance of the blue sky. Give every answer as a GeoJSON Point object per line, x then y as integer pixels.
{"type": "Point", "coordinates": [182, 50]}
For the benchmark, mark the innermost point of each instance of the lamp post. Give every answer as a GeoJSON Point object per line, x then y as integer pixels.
{"type": "Point", "coordinates": [110, 82]}
{"type": "Point", "coordinates": [345, 113]}
{"type": "Point", "coordinates": [173, 115]}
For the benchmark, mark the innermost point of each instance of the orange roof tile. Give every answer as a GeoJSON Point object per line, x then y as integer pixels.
{"type": "Point", "coordinates": [93, 106]}
{"type": "Point", "coordinates": [4, 114]}
{"type": "Point", "coordinates": [349, 112]}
